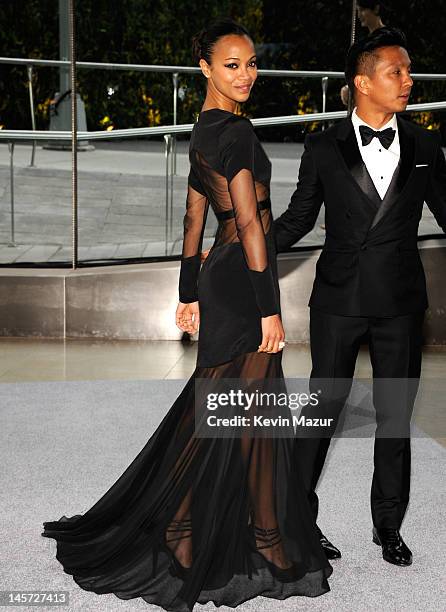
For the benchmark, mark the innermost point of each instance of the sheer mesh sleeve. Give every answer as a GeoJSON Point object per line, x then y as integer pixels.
{"type": "Point", "coordinates": [193, 223]}
{"type": "Point", "coordinates": [238, 160]}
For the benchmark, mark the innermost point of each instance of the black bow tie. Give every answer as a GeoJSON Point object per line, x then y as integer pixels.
{"type": "Point", "coordinates": [385, 137]}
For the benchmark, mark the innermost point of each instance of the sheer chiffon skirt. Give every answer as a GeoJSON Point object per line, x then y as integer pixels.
{"type": "Point", "coordinates": [198, 502]}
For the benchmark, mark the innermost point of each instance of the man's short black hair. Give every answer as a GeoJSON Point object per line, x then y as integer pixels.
{"type": "Point", "coordinates": [362, 54]}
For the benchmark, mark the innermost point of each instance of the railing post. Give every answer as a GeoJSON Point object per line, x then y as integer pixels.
{"type": "Point", "coordinates": [352, 40]}
{"type": "Point", "coordinates": [74, 190]}
{"type": "Point", "coordinates": [175, 113]}
{"type": "Point", "coordinates": [167, 149]}
{"type": "Point", "coordinates": [172, 170]}
{"type": "Point", "coordinates": [324, 83]}
{"type": "Point", "coordinates": [31, 105]}
{"type": "Point", "coordinates": [353, 25]}
{"type": "Point", "coordinates": [11, 190]}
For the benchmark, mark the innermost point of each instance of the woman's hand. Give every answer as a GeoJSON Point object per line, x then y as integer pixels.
{"type": "Point", "coordinates": [272, 334]}
{"type": "Point", "coordinates": [187, 317]}
{"type": "Point", "coordinates": [345, 94]}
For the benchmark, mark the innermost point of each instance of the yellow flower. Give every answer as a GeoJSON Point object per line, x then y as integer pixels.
{"type": "Point", "coordinates": [304, 108]}
{"type": "Point", "coordinates": [43, 107]}
{"type": "Point", "coordinates": [426, 120]}
{"type": "Point", "coordinates": [153, 113]}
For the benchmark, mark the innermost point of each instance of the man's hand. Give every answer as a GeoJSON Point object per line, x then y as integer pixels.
{"type": "Point", "coordinates": [272, 334]}
{"type": "Point", "coordinates": [187, 317]}
{"type": "Point", "coordinates": [203, 255]}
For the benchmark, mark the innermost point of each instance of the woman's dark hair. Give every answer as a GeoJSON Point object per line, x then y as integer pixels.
{"type": "Point", "coordinates": [203, 42]}
{"type": "Point", "coordinates": [362, 56]}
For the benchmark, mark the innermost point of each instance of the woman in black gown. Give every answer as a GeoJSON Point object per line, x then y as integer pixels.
{"type": "Point", "coordinates": [199, 519]}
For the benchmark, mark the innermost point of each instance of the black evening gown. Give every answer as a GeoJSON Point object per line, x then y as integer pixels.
{"type": "Point", "coordinates": [210, 494]}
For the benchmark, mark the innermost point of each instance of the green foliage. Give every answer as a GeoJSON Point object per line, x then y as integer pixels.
{"type": "Point", "coordinates": [297, 34]}
{"type": "Point", "coordinates": [29, 29]}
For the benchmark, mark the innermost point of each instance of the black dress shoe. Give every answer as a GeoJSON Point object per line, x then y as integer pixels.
{"type": "Point", "coordinates": [394, 549]}
{"type": "Point", "coordinates": [330, 550]}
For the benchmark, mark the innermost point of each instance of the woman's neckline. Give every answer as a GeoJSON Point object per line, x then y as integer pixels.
{"type": "Point", "coordinates": [222, 110]}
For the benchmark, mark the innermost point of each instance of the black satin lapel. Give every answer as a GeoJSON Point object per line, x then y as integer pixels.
{"type": "Point", "coordinates": [407, 156]}
{"type": "Point", "coordinates": [349, 149]}
{"type": "Point", "coordinates": [390, 197]}
{"type": "Point", "coordinates": [401, 174]}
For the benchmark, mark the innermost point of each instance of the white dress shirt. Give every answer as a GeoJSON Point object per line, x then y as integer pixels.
{"type": "Point", "coordinates": [380, 162]}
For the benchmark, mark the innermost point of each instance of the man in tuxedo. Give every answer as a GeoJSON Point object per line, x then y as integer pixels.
{"type": "Point", "coordinates": [373, 171]}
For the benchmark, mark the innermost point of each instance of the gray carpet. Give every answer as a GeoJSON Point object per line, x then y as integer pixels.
{"type": "Point", "coordinates": [62, 445]}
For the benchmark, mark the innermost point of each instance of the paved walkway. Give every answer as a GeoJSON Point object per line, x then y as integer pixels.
{"type": "Point", "coordinates": [122, 201]}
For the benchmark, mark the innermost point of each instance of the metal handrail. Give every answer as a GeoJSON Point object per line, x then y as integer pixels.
{"type": "Point", "coordinates": [324, 75]}
{"type": "Point", "coordinates": [16, 135]}
{"type": "Point", "coordinates": [192, 69]}
{"type": "Point", "coordinates": [158, 68]}
{"type": "Point", "coordinates": [12, 136]}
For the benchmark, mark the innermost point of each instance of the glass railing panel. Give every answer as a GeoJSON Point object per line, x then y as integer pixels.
{"type": "Point", "coordinates": [36, 219]}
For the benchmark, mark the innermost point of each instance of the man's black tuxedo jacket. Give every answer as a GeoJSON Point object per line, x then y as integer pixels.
{"type": "Point", "coordinates": [369, 265]}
